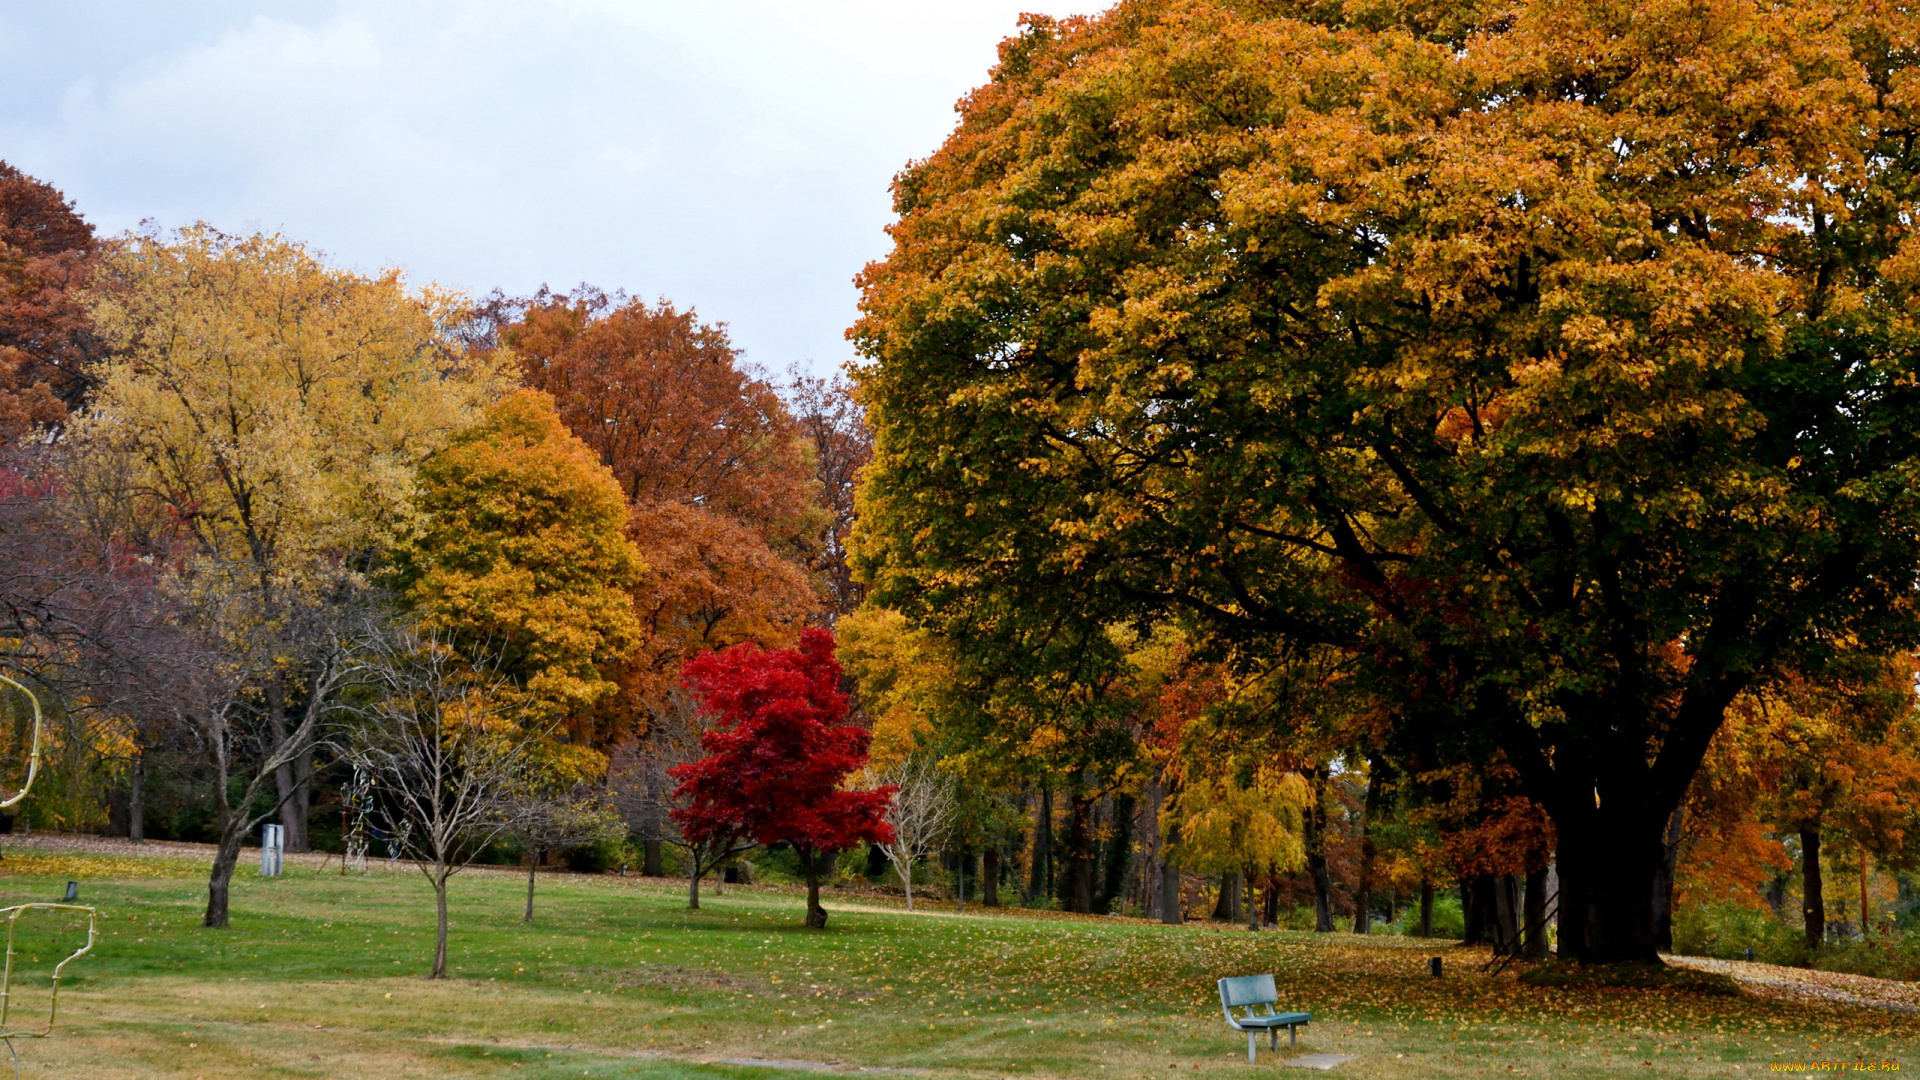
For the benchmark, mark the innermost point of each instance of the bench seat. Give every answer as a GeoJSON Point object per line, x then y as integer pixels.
{"type": "Point", "coordinates": [1277, 1020]}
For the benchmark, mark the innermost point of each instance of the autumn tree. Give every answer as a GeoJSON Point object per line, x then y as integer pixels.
{"type": "Point", "coordinates": [724, 504]}
{"type": "Point", "coordinates": [517, 548]}
{"type": "Point", "coordinates": [1559, 365]}
{"type": "Point", "coordinates": [778, 754]}
{"type": "Point", "coordinates": [47, 343]}
{"type": "Point", "coordinates": [831, 419]}
{"type": "Point", "coordinates": [263, 414]}
{"type": "Point", "coordinates": [1833, 755]}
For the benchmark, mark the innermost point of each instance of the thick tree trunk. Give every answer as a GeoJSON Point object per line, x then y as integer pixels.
{"type": "Point", "coordinates": [440, 934]}
{"type": "Point", "coordinates": [1040, 878]}
{"type": "Point", "coordinates": [1813, 894]}
{"type": "Point", "coordinates": [1227, 908]}
{"type": "Point", "coordinates": [1314, 822]}
{"type": "Point", "coordinates": [1608, 867]}
{"type": "Point", "coordinates": [1272, 903]}
{"type": "Point", "coordinates": [1536, 915]}
{"type": "Point", "coordinates": [906, 881]}
{"type": "Point", "coordinates": [137, 799]}
{"type": "Point", "coordinates": [816, 915]}
{"type": "Point", "coordinates": [533, 862]}
{"type": "Point", "coordinates": [1663, 881]}
{"type": "Point", "coordinates": [650, 864]}
{"type": "Point", "coordinates": [990, 876]}
{"type": "Point", "coordinates": [1506, 916]}
{"type": "Point", "coordinates": [1077, 882]}
{"type": "Point", "coordinates": [693, 881]}
{"type": "Point", "coordinates": [1426, 908]}
{"type": "Point", "coordinates": [1476, 901]}
{"type": "Point", "coordinates": [1153, 865]}
{"type": "Point", "coordinates": [1255, 902]}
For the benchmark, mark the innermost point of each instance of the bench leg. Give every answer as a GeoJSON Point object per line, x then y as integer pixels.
{"type": "Point", "coordinates": [1293, 1035]}
{"type": "Point", "coordinates": [1273, 1038]}
{"type": "Point", "coordinates": [1250, 1046]}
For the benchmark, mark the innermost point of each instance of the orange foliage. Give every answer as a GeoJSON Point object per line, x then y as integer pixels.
{"type": "Point", "coordinates": [46, 343]}
{"type": "Point", "coordinates": [723, 502]}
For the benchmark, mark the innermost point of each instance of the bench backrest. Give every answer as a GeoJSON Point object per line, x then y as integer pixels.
{"type": "Point", "coordinates": [1248, 990]}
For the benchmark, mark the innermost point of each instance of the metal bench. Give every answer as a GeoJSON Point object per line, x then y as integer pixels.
{"type": "Point", "coordinates": [1256, 994]}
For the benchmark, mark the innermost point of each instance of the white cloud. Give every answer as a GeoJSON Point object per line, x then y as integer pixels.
{"type": "Point", "coordinates": [733, 155]}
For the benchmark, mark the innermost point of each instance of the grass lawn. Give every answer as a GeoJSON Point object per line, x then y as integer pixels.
{"type": "Point", "coordinates": [319, 976]}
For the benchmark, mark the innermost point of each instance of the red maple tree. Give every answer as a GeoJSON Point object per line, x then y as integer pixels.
{"type": "Point", "coordinates": [777, 756]}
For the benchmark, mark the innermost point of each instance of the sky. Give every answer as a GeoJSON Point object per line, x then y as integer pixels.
{"type": "Point", "coordinates": [729, 155]}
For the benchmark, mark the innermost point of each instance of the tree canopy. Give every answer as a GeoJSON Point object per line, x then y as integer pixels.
{"type": "Point", "coordinates": [1559, 365]}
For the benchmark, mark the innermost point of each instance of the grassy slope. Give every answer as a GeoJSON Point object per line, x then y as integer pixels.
{"type": "Point", "coordinates": [318, 977]}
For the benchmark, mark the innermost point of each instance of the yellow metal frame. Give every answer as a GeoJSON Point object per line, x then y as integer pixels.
{"type": "Point", "coordinates": [6, 977]}
{"type": "Point", "coordinates": [33, 759]}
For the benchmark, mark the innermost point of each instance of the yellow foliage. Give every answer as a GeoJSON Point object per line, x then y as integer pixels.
{"type": "Point", "coordinates": [519, 546]}
{"type": "Point", "coordinates": [273, 407]}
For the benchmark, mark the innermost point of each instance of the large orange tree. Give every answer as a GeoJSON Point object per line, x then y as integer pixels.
{"type": "Point", "coordinates": [1554, 357]}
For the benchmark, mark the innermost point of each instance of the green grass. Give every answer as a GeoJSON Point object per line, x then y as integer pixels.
{"type": "Point", "coordinates": [319, 976]}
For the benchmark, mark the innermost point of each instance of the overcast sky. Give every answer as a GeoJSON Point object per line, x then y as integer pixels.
{"type": "Point", "coordinates": [732, 155]}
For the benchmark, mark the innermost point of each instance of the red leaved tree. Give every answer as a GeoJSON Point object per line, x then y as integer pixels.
{"type": "Point", "coordinates": [777, 756]}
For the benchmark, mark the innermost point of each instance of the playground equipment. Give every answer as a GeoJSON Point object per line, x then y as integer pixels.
{"type": "Point", "coordinates": [33, 756]}
{"type": "Point", "coordinates": [8, 1032]}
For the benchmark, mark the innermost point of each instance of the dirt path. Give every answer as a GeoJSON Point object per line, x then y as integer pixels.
{"type": "Point", "coordinates": [1788, 983]}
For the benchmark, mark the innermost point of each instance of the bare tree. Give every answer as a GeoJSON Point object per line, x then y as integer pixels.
{"type": "Point", "coordinates": [449, 744]}
{"type": "Point", "coordinates": [546, 821]}
{"type": "Point", "coordinates": [644, 791]}
{"type": "Point", "coordinates": [923, 813]}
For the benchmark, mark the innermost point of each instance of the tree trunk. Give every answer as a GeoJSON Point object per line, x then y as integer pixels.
{"type": "Point", "coordinates": [1475, 902]}
{"type": "Point", "coordinates": [1866, 902]}
{"type": "Point", "coordinates": [1314, 822]}
{"type": "Point", "coordinates": [816, 915]}
{"type": "Point", "coordinates": [693, 880]}
{"type": "Point", "coordinates": [1426, 908]}
{"type": "Point", "coordinates": [1077, 890]}
{"type": "Point", "coordinates": [137, 799]}
{"type": "Point", "coordinates": [220, 881]}
{"type": "Point", "coordinates": [1506, 915]}
{"type": "Point", "coordinates": [1272, 917]}
{"type": "Point", "coordinates": [533, 861]}
{"type": "Point", "coordinates": [1040, 876]}
{"type": "Point", "coordinates": [1119, 854]}
{"type": "Point", "coordinates": [291, 780]}
{"type": "Point", "coordinates": [1363, 890]}
{"type": "Point", "coordinates": [990, 876]}
{"type": "Point", "coordinates": [1663, 881]}
{"type": "Point", "coordinates": [440, 935]}
{"type": "Point", "coordinates": [1536, 915]}
{"type": "Point", "coordinates": [1813, 895]}
{"type": "Point", "coordinates": [1608, 865]}
{"type": "Point", "coordinates": [650, 858]}
{"type": "Point", "coordinates": [906, 880]}
{"type": "Point", "coordinates": [1255, 903]}
{"type": "Point", "coordinates": [1227, 908]}
{"type": "Point", "coordinates": [1170, 912]}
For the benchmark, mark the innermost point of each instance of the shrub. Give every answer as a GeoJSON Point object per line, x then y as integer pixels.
{"type": "Point", "coordinates": [1727, 931]}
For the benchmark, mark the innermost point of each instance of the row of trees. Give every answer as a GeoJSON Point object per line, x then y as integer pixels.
{"type": "Point", "coordinates": [266, 522]}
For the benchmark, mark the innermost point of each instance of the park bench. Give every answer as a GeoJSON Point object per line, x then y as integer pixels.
{"type": "Point", "coordinates": [1255, 993]}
